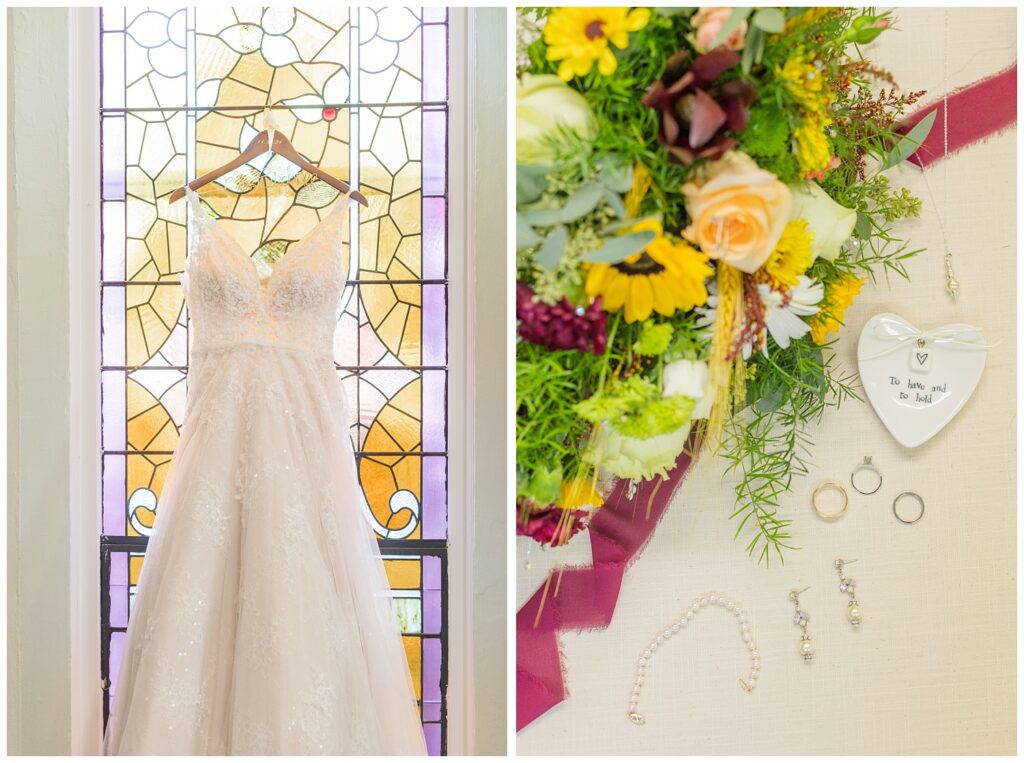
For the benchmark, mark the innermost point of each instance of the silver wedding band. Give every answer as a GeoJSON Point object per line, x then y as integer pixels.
{"type": "Point", "coordinates": [908, 494]}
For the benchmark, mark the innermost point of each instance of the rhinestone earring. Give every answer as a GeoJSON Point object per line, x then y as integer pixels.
{"type": "Point", "coordinates": [846, 585]}
{"type": "Point", "coordinates": [800, 619]}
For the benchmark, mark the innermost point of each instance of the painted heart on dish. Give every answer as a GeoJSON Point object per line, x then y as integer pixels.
{"type": "Point", "coordinates": [917, 381]}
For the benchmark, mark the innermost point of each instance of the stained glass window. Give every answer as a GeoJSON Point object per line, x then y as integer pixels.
{"type": "Point", "coordinates": [367, 96]}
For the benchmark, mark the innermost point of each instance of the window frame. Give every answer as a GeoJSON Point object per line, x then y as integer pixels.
{"type": "Point", "coordinates": [85, 507]}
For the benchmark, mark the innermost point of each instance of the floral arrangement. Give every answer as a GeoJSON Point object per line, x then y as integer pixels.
{"type": "Point", "coordinates": [701, 194]}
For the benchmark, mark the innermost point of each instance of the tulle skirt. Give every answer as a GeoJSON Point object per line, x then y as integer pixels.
{"type": "Point", "coordinates": [262, 622]}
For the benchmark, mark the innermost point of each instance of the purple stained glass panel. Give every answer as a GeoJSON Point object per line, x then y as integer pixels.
{"type": "Point", "coordinates": [435, 139]}
{"type": "Point", "coordinates": [434, 404]}
{"type": "Point", "coordinates": [431, 711]}
{"type": "Point", "coordinates": [431, 573]}
{"type": "Point", "coordinates": [432, 612]}
{"type": "Point", "coordinates": [435, 238]}
{"type": "Point", "coordinates": [114, 502]}
{"type": "Point", "coordinates": [113, 68]}
{"type": "Point", "coordinates": [435, 325]}
{"type": "Point", "coordinates": [112, 327]}
{"type": "Point", "coordinates": [119, 568]}
{"type": "Point", "coordinates": [432, 732]}
{"type": "Point", "coordinates": [116, 648]}
{"type": "Point", "coordinates": [435, 497]}
{"type": "Point", "coordinates": [113, 240]}
{"type": "Point", "coordinates": [118, 606]}
{"type": "Point", "coordinates": [113, 158]}
{"type": "Point", "coordinates": [435, 63]}
{"type": "Point", "coordinates": [113, 393]}
{"type": "Point", "coordinates": [431, 669]}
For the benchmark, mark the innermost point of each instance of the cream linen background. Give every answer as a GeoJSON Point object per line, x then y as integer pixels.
{"type": "Point", "coordinates": [933, 668]}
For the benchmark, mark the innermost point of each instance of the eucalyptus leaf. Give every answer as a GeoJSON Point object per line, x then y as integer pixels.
{"type": "Point", "coordinates": [525, 235]}
{"type": "Point", "coordinates": [737, 17]}
{"type": "Point", "coordinates": [910, 142]}
{"type": "Point", "coordinates": [768, 400]}
{"type": "Point", "coordinates": [531, 182]}
{"type": "Point", "coordinates": [550, 253]}
{"type": "Point", "coordinates": [620, 225]}
{"type": "Point", "coordinates": [619, 248]}
{"type": "Point", "coordinates": [615, 202]}
{"type": "Point", "coordinates": [863, 226]}
{"type": "Point", "coordinates": [618, 178]}
{"type": "Point", "coordinates": [579, 204]}
{"type": "Point", "coordinates": [770, 20]}
{"type": "Point", "coordinates": [753, 50]}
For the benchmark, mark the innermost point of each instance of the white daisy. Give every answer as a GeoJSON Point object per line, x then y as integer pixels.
{"type": "Point", "coordinates": [783, 310]}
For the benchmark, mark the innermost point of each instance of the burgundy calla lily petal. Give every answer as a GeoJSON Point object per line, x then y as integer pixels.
{"type": "Point", "coordinates": [706, 120]}
{"type": "Point", "coordinates": [707, 68]}
{"type": "Point", "coordinates": [695, 112]}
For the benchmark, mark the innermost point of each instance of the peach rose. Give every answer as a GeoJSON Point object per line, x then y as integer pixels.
{"type": "Point", "coordinates": [709, 21]}
{"type": "Point", "coordinates": [737, 211]}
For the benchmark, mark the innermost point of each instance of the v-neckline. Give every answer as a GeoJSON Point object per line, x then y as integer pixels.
{"type": "Point", "coordinates": [253, 266]}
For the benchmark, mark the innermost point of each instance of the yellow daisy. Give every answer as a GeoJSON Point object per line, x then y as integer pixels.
{"type": "Point", "coordinates": [580, 36]}
{"type": "Point", "coordinates": [805, 83]}
{"type": "Point", "coordinates": [838, 297]}
{"type": "Point", "coordinates": [791, 256]}
{"type": "Point", "coordinates": [665, 277]}
{"type": "Point", "coordinates": [813, 152]}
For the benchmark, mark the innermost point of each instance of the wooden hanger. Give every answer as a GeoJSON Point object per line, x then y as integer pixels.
{"type": "Point", "coordinates": [269, 139]}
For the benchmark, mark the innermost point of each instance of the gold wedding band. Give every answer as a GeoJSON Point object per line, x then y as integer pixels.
{"type": "Point", "coordinates": [829, 485]}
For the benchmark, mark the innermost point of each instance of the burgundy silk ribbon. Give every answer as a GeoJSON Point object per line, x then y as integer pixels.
{"type": "Point", "coordinates": [975, 112]}
{"type": "Point", "coordinates": [580, 598]}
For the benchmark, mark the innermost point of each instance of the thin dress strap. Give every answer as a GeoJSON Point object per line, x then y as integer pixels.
{"type": "Point", "coordinates": [193, 198]}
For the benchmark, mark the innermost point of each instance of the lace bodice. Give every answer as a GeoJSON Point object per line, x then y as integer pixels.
{"type": "Point", "coordinates": [294, 308]}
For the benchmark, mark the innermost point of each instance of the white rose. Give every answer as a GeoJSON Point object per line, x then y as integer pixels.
{"type": "Point", "coordinates": [543, 104]}
{"type": "Point", "coordinates": [829, 223]}
{"type": "Point", "coordinates": [690, 378]}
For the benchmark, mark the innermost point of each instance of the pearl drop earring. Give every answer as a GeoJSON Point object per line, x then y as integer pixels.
{"type": "Point", "coordinates": [800, 619]}
{"type": "Point", "coordinates": [846, 585]}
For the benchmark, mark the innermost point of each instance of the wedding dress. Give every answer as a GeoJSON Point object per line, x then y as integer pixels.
{"type": "Point", "coordinates": [262, 622]}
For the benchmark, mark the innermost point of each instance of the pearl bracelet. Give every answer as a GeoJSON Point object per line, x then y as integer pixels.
{"type": "Point", "coordinates": [698, 604]}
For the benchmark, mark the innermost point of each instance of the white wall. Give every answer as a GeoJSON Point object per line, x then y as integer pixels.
{"type": "Point", "coordinates": [488, 250]}
{"type": "Point", "coordinates": [38, 602]}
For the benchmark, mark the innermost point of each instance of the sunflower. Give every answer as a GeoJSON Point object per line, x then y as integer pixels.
{"type": "Point", "coordinates": [791, 256]}
{"type": "Point", "coordinates": [838, 296]}
{"type": "Point", "coordinates": [665, 277]}
{"type": "Point", "coordinates": [579, 36]}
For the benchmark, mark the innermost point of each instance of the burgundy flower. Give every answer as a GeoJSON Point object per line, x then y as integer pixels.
{"type": "Point", "coordinates": [695, 113]}
{"type": "Point", "coordinates": [561, 326]}
{"type": "Point", "coordinates": [540, 523]}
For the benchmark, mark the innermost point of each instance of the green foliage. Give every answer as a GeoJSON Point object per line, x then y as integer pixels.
{"type": "Point", "coordinates": [767, 140]}
{"type": "Point", "coordinates": [635, 408]}
{"type": "Point", "coordinates": [654, 338]}
{"type": "Point", "coordinates": [767, 443]}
